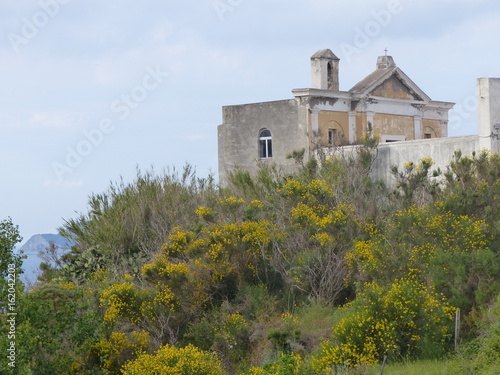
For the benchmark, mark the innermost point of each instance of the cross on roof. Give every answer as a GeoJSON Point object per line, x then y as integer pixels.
{"type": "Point", "coordinates": [385, 50]}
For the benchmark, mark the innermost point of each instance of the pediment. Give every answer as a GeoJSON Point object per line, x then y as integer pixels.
{"type": "Point", "coordinates": [391, 83]}
{"type": "Point", "coordinates": [395, 88]}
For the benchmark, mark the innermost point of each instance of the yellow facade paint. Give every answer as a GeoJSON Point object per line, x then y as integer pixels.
{"type": "Point", "coordinates": [361, 125]}
{"type": "Point", "coordinates": [394, 125]}
{"type": "Point", "coordinates": [336, 122]}
{"type": "Point", "coordinates": [431, 129]}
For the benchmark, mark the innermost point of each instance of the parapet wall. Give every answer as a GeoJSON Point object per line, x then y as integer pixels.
{"type": "Point", "coordinates": [440, 150]}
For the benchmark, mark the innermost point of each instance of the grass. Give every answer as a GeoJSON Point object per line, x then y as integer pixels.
{"type": "Point", "coordinates": [424, 367]}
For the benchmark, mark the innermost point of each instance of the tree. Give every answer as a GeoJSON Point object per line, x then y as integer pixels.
{"type": "Point", "coordinates": [10, 264]}
{"type": "Point", "coordinates": [126, 225]}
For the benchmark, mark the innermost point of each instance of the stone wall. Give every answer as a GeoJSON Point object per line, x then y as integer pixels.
{"type": "Point", "coordinates": [440, 150]}
{"type": "Point", "coordinates": [238, 136]}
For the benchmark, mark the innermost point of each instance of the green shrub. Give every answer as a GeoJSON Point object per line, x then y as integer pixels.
{"type": "Point", "coordinates": [405, 320]}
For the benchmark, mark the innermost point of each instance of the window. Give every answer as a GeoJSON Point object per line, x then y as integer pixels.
{"type": "Point", "coordinates": [429, 133]}
{"type": "Point", "coordinates": [329, 75]}
{"type": "Point", "coordinates": [332, 136]}
{"type": "Point", "coordinates": [385, 138]}
{"type": "Point", "coordinates": [265, 144]}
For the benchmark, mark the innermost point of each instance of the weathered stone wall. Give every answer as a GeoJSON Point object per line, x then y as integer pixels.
{"type": "Point", "coordinates": [385, 125]}
{"type": "Point", "coordinates": [488, 92]}
{"type": "Point", "coordinates": [238, 136]}
{"type": "Point", "coordinates": [393, 88]}
{"type": "Point", "coordinates": [440, 150]}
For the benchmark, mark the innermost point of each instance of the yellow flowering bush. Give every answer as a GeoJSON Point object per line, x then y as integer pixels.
{"type": "Point", "coordinates": [232, 337]}
{"type": "Point", "coordinates": [320, 232]}
{"type": "Point", "coordinates": [232, 201]}
{"type": "Point", "coordinates": [178, 240]}
{"type": "Point", "coordinates": [407, 319]}
{"type": "Point", "coordinates": [161, 301]}
{"type": "Point", "coordinates": [175, 361]}
{"type": "Point", "coordinates": [254, 210]}
{"type": "Point", "coordinates": [220, 248]}
{"type": "Point", "coordinates": [121, 300]}
{"type": "Point", "coordinates": [205, 213]}
{"type": "Point", "coordinates": [415, 181]}
{"type": "Point", "coordinates": [118, 348]}
{"type": "Point", "coordinates": [233, 328]}
{"type": "Point", "coordinates": [231, 209]}
{"type": "Point", "coordinates": [195, 268]}
{"type": "Point", "coordinates": [445, 249]}
{"type": "Point", "coordinates": [128, 305]}
{"type": "Point", "coordinates": [162, 267]}
{"type": "Point", "coordinates": [312, 193]}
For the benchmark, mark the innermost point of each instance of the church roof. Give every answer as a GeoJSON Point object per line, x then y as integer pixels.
{"type": "Point", "coordinates": [324, 54]}
{"type": "Point", "coordinates": [371, 80]}
{"type": "Point", "coordinates": [386, 68]}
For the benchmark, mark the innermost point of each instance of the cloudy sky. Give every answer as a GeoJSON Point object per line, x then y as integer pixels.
{"type": "Point", "coordinates": [93, 89]}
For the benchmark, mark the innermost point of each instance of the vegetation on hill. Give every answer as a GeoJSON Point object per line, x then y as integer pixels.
{"type": "Point", "coordinates": [323, 271]}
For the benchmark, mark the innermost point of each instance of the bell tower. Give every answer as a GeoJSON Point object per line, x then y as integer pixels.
{"type": "Point", "coordinates": [325, 70]}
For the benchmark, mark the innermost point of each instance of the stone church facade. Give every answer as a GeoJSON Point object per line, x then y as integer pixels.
{"type": "Point", "coordinates": [386, 104]}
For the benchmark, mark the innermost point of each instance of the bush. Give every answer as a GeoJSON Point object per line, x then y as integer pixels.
{"type": "Point", "coordinates": [179, 361]}
{"type": "Point", "coordinates": [406, 320]}
{"type": "Point", "coordinates": [484, 353]}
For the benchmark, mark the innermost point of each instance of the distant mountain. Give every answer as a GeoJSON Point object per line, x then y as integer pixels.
{"type": "Point", "coordinates": [32, 248]}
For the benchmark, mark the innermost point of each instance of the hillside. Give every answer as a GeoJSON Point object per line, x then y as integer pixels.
{"type": "Point", "coordinates": [323, 270]}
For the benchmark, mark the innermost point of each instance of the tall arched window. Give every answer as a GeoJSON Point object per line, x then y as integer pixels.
{"type": "Point", "coordinates": [329, 75]}
{"type": "Point", "coordinates": [265, 144]}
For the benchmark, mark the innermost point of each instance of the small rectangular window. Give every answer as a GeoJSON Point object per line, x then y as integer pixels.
{"type": "Point", "coordinates": [332, 136]}
{"type": "Point", "coordinates": [427, 135]}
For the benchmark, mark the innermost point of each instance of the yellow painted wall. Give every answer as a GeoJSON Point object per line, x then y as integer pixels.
{"type": "Point", "coordinates": [333, 120]}
{"type": "Point", "coordinates": [361, 125]}
{"type": "Point", "coordinates": [433, 127]}
{"type": "Point", "coordinates": [394, 125]}
{"type": "Point", "coordinates": [383, 124]}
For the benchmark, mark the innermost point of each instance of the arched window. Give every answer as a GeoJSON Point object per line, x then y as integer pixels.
{"type": "Point", "coordinates": [265, 144]}
{"type": "Point", "coordinates": [329, 75]}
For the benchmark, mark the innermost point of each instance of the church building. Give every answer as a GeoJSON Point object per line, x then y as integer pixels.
{"type": "Point", "coordinates": [386, 104]}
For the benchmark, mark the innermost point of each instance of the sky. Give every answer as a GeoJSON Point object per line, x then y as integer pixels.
{"type": "Point", "coordinates": [94, 90]}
